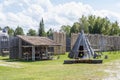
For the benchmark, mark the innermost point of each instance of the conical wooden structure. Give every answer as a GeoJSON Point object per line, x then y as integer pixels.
{"type": "Point", "coordinates": [82, 48]}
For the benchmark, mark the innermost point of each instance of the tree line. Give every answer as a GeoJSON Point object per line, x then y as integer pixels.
{"type": "Point", "coordinates": [93, 25]}
{"type": "Point", "coordinates": [31, 32]}
{"type": "Point", "coordinates": [90, 24]}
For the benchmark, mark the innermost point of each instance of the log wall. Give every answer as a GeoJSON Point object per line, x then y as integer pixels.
{"type": "Point", "coordinates": [14, 48]}
{"type": "Point", "coordinates": [97, 42]}
{"type": "Point", "coordinates": [103, 42]}
{"type": "Point", "coordinates": [61, 39]}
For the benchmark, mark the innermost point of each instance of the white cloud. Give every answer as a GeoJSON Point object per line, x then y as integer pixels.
{"type": "Point", "coordinates": [2, 17]}
{"type": "Point", "coordinates": [28, 13]}
{"type": "Point", "coordinates": [7, 3]}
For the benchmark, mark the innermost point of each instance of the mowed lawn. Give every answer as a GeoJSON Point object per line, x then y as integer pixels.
{"type": "Point", "coordinates": [56, 70]}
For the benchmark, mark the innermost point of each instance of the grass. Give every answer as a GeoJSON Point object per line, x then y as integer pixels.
{"type": "Point", "coordinates": [114, 55]}
{"type": "Point", "coordinates": [54, 69]}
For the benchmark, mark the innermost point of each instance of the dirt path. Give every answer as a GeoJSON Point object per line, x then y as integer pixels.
{"type": "Point", "coordinates": [113, 69]}
{"type": "Point", "coordinates": [10, 64]}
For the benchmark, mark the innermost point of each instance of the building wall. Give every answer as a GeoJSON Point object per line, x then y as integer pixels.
{"type": "Point", "coordinates": [4, 44]}
{"type": "Point", "coordinates": [14, 47]}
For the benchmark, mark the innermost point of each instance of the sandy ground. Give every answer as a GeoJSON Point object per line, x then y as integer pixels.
{"type": "Point", "coordinates": [113, 70]}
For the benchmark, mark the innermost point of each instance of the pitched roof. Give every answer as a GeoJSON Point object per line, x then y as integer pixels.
{"type": "Point", "coordinates": [37, 41]}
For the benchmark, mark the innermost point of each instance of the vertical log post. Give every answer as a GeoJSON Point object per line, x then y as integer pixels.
{"type": "Point", "coordinates": [33, 53]}
{"type": "Point", "coordinates": [47, 52]}
{"type": "Point", "coordinates": [20, 49]}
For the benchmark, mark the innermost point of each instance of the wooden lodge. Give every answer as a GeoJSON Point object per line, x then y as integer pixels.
{"type": "Point", "coordinates": [31, 47]}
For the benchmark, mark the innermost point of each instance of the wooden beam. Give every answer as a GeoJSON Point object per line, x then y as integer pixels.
{"type": "Point", "coordinates": [27, 46]}
{"type": "Point", "coordinates": [20, 49]}
{"type": "Point", "coordinates": [33, 53]}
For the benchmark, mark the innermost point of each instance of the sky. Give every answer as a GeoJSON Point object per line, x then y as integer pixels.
{"type": "Point", "coordinates": [28, 13]}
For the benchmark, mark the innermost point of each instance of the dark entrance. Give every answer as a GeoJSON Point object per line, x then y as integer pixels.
{"type": "Point", "coordinates": [81, 52]}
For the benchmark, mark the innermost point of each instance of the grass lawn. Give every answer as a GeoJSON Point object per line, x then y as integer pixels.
{"type": "Point", "coordinates": [55, 69]}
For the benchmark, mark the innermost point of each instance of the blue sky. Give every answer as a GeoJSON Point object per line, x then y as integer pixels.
{"type": "Point", "coordinates": [28, 13]}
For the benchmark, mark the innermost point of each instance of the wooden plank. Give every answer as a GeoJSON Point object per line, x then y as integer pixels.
{"type": "Point", "coordinates": [27, 46]}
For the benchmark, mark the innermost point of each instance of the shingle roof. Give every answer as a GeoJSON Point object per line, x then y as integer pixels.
{"type": "Point", "coordinates": [36, 40]}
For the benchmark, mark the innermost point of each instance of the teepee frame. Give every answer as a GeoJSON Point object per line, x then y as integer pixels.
{"type": "Point", "coordinates": [81, 48]}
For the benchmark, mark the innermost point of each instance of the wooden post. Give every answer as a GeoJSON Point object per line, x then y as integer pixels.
{"type": "Point", "coordinates": [33, 53]}
{"type": "Point", "coordinates": [47, 52]}
{"type": "Point", "coordinates": [20, 49]}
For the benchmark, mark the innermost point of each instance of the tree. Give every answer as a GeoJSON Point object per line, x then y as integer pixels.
{"type": "Point", "coordinates": [31, 32]}
{"type": "Point", "coordinates": [75, 28]}
{"type": "Point", "coordinates": [114, 29]}
{"type": "Point", "coordinates": [66, 29]}
{"type": "Point", "coordinates": [97, 26]}
{"type": "Point", "coordinates": [105, 26]}
{"type": "Point", "coordinates": [50, 32]}
{"type": "Point", "coordinates": [84, 23]}
{"type": "Point", "coordinates": [94, 25]}
{"type": "Point", "coordinates": [41, 31]}
{"type": "Point", "coordinates": [18, 31]}
{"type": "Point", "coordinates": [91, 22]}
{"type": "Point", "coordinates": [10, 31]}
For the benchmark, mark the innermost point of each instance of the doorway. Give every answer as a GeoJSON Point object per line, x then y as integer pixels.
{"type": "Point", "coordinates": [81, 52]}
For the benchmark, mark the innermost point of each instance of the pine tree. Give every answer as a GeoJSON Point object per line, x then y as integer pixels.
{"type": "Point", "coordinates": [41, 31]}
{"type": "Point", "coordinates": [50, 32]}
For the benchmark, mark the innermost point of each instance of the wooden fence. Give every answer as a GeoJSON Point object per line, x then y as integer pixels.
{"type": "Point", "coordinates": [14, 47]}
{"type": "Point", "coordinates": [101, 42]}
{"type": "Point", "coordinates": [61, 39]}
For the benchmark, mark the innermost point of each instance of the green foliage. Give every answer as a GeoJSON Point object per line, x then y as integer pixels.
{"type": "Point", "coordinates": [50, 32]}
{"type": "Point", "coordinates": [31, 32]}
{"type": "Point", "coordinates": [10, 31]}
{"type": "Point", "coordinates": [41, 31]}
{"type": "Point", "coordinates": [91, 21]}
{"type": "Point", "coordinates": [96, 25]}
{"type": "Point", "coordinates": [18, 31]}
{"type": "Point", "coordinates": [75, 28]}
{"type": "Point", "coordinates": [114, 29]}
{"type": "Point", "coordinates": [84, 23]}
{"type": "Point", "coordinates": [66, 29]}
